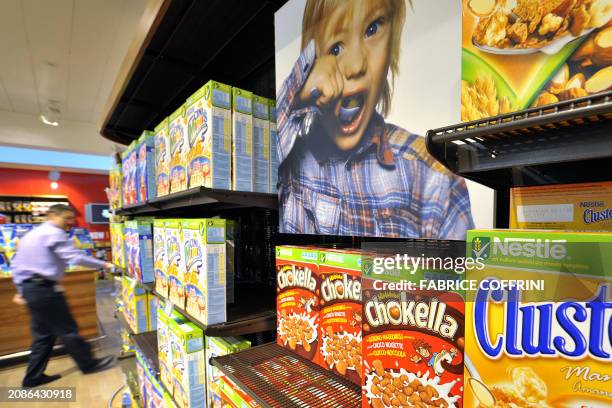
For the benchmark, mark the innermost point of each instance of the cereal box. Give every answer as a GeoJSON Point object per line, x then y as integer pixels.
{"type": "Point", "coordinates": [129, 161]}
{"type": "Point", "coordinates": [580, 207]}
{"type": "Point", "coordinates": [156, 396]}
{"type": "Point", "coordinates": [261, 144]}
{"type": "Point", "coordinates": [230, 256]}
{"type": "Point", "coordinates": [543, 346]}
{"type": "Point", "coordinates": [188, 365]}
{"type": "Point", "coordinates": [175, 269]}
{"type": "Point", "coordinates": [204, 280]}
{"type": "Point", "coordinates": [117, 244]}
{"type": "Point", "coordinates": [115, 181]}
{"type": "Point", "coordinates": [163, 341]}
{"type": "Point", "coordinates": [297, 300]}
{"type": "Point", "coordinates": [230, 392]}
{"type": "Point", "coordinates": [273, 144]}
{"type": "Point", "coordinates": [242, 140]}
{"type": "Point", "coordinates": [162, 158]}
{"type": "Point", "coordinates": [179, 146]}
{"type": "Point", "coordinates": [215, 347]}
{"type": "Point", "coordinates": [145, 169]}
{"type": "Point", "coordinates": [208, 113]}
{"type": "Point", "coordinates": [140, 373]}
{"type": "Point", "coordinates": [125, 181]}
{"type": "Point", "coordinates": [139, 248]}
{"type": "Point", "coordinates": [412, 342]}
{"type": "Point", "coordinates": [160, 262]}
{"type": "Point", "coordinates": [135, 305]}
{"type": "Point", "coordinates": [340, 313]}
{"type": "Point", "coordinates": [153, 304]}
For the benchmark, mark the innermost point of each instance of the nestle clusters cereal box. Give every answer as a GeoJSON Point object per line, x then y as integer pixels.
{"type": "Point", "coordinates": [188, 365]}
{"type": "Point", "coordinates": [579, 207]}
{"type": "Point", "coordinates": [261, 144]}
{"type": "Point", "coordinates": [128, 166]}
{"type": "Point", "coordinates": [175, 258]}
{"type": "Point", "coordinates": [163, 341]}
{"type": "Point", "coordinates": [297, 301]}
{"type": "Point", "coordinates": [160, 261]}
{"type": "Point", "coordinates": [135, 305]}
{"type": "Point", "coordinates": [145, 169]}
{"type": "Point", "coordinates": [548, 345]}
{"type": "Point", "coordinates": [162, 158]}
{"type": "Point", "coordinates": [340, 313]}
{"type": "Point", "coordinates": [179, 146]}
{"type": "Point", "coordinates": [209, 157]}
{"type": "Point", "coordinates": [273, 144]}
{"type": "Point", "coordinates": [242, 140]}
{"type": "Point", "coordinates": [204, 279]}
{"type": "Point", "coordinates": [412, 342]}
{"type": "Point", "coordinates": [115, 182]}
{"type": "Point", "coordinates": [139, 249]}
{"type": "Point", "coordinates": [215, 347]}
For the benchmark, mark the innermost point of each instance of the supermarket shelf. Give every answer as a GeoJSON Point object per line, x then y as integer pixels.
{"type": "Point", "coordinates": [147, 344]}
{"type": "Point", "coordinates": [124, 323]}
{"type": "Point", "coordinates": [205, 199]}
{"type": "Point", "coordinates": [565, 142]}
{"type": "Point", "coordinates": [275, 377]}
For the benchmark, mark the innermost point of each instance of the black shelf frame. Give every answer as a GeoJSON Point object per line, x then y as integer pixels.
{"type": "Point", "coordinates": [147, 344]}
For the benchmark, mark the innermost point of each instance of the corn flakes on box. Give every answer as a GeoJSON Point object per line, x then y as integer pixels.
{"type": "Point", "coordinates": [179, 147]}
{"type": "Point", "coordinates": [204, 280]}
{"type": "Point", "coordinates": [580, 207]}
{"type": "Point", "coordinates": [242, 140]}
{"type": "Point", "coordinates": [215, 347]}
{"type": "Point", "coordinates": [413, 340]}
{"type": "Point", "coordinates": [547, 345]}
{"type": "Point", "coordinates": [175, 257]}
{"type": "Point", "coordinates": [273, 144]}
{"type": "Point", "coordinates": [261, 144]}
{"type": "Point", "coordinates": [139, 249]}
{"type": "Point", "coordinates": [162, 158]}
{"type": "Point", "coordinates": [340, 313]}
{"type": "Point", "coordinates": [297, 300]}
{"type": "Point", "coordinates": [164, 316]}
{"type": "Point", "coordinates": [145, 169]}
{"type": "Point", "coordinates": [117, 244]}
{"type": "Point", "coordinates": [209, 158]}
{"type": "Point", "coordinates": [188, 365]}
{"type": "Point", "coordinates": [160, 261]}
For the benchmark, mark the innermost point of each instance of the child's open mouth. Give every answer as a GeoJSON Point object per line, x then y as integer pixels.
{"type": "Point", "coordinates": [351, 112]}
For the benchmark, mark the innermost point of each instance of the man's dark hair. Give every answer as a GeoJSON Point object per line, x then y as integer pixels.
{"type": "Point", "coordinates": [58, 209]}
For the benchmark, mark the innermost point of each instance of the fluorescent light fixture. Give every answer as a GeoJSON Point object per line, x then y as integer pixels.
{"type": "Point", "coordinates": [47, 121]}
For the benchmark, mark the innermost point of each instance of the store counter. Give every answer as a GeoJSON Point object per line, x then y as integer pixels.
{"type": "Point", "coordinates": [80, 294]}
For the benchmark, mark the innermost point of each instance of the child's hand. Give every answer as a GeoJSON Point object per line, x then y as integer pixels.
{"type": "Point", "coordinates": [324, 84]}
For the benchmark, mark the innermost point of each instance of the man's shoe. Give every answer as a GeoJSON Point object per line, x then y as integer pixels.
{"type": "Point", "coordinates": [43, 379]}
{"type": "Point", "coordinates": [100, 364]}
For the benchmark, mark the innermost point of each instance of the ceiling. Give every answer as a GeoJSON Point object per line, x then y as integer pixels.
{"type": "Point", "coordinates": [61, 55]}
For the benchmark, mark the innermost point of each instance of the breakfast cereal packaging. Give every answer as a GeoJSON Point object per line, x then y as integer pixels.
{"type": "Point", "coordinates": [215, 347]}
{"type": "Point", "coordinates": [115, 181]}
{"type": "Point", "coordinates": [163, 341]}
{"type": "Point", "coordinates": [242, 140]}
{"type": "Point", "coordinates": [140, 373]}
{"type": "Point", "coordinates": [162, 158]}
{"type": "Point", "coordinates": [139, 249]}
{"type": "Point", "coordinates": [175, 257]}
{"type": "Point", "coordinates": [412, 342]}
{"type": "Point", "coordinates": [229, 391]}
{"type": "Point", "coordinates": [160, 261]}
{"type": "Point", "coordinates": [580, 207]}
{"type": "Point", "coordinates": [261, 144]}
{"type": "Point", "coordinates": [297, 300]}
{"type": "Point", "coordinates": [340, 313]}
{"type": "Point", "coordinates": [204, 280]}
{"type": "Point", "coordinates": [179, 146]}
{"type": "Point", "coordinates": [145, 169]}
{"type": "Point", "coordinates": [230, 256]}
{"type": "Point", "coordinates": [135, 305]}
{"type": "Point", "coordinates": [188, 365]}
{"type": "Point", "coordinates": [273, 144]}
{"type": "Point", "coordinates": [208, 113]}
{"type": "Point", "coordinates": [545, 339]}
{"type": "Point", "coordinates": [156, 395]}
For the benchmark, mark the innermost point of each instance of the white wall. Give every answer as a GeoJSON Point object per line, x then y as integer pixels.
{"type": "Point", "coordinates": [427, 94]}
{"type": "Point", "coordinates": [28, 131]}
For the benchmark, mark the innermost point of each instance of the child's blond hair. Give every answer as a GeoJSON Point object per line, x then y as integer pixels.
{"type": "Point", "coordinates": [316, 10]}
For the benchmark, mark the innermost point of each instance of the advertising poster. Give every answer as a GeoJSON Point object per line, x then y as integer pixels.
{"type": "Point", "coordinates": [358, 84]}
{"type": "Point", "coordinates": [522, 53]}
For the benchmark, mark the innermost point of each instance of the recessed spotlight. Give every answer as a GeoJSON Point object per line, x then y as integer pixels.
{"type": "Point", "coordinates": [54, 185]}
{"type": "Point", "coordinates": [48, 122]}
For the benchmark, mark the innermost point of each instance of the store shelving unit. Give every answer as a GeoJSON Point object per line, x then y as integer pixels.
{"type": "Point", "coordinates": [147, 344]}
{"type": "Point", "coordinates": [275, 377]}
{"type": "Point", "coordinates": [565, 142]}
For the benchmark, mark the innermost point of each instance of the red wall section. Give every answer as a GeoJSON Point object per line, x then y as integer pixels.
{"type": "Point", "coordinates": [80, 189]}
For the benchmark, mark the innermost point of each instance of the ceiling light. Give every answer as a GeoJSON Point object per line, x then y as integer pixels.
{"type": "Point", "coordinates": [54, 185]}
{"type": "Point", "coordinates": [48, 122]}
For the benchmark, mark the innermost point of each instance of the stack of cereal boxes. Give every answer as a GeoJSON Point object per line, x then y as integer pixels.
{"type": "Point", "coordinates": [261, 144]}
{"type": "Point", "coordinates": [242, 140]}
{"type": "Point", "coordinates": [209, 136]}
{"type": "Point", "coordinates": [139, 249]}
{"type": "Point", "coordinates": [179, 146]}
{"type": "Point", "coordinates": [215, 347]}
{"type": "Point", "coordinates": [187, 364]}
{"type": "Point", "coordinates": [164, 316]}
{"type": "Point", "coordinates": [145, 169]}
{"type": "Point", "coordinates": [162, 158]}
{"type": "Point", "coordinates": [273, 146]}
{"type": "Point", "coordinates": [117, 237]}
{"type": "Point", "coordinates": [175, 261]}
{"type": "Point", "coordinates": [115, 181]}
{"type": "Point", "coordinates": [140, 306]}
{"type": "Point", "coordinates": [160, 261]}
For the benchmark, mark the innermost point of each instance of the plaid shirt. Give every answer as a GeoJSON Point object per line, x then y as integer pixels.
{"type": "Point", "coordinates": [388, 186]}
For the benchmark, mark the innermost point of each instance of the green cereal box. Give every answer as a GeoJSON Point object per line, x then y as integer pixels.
{"type": "Point", "coordinates": [188, 367]}
{"type": "Point", "coordinates": [160, 262]}
{"type": "Point", "coordinates": [204, 280]}
{"type": "Point", "coordinates": [261, 144]}
{"type": "Point", "coordinates": [242, 140]}
{"type": "Point", "coordinates": [175, 258]}
{"type": "Point", "coordinates": [273, 144]}
{"type": "Point", "coordinates": [179, 146]}
{"type": "Point", "coordinates": [162, 158]}
{"type": "Point", "coordinates": [208, 113]}
{"type": "Point", "coordinates": [215, 347]}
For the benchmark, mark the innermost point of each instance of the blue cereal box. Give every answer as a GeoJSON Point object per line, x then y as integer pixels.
{"type": "Point", "coordinates": [145, 169]}
{"type": "Point", "coordinates": [139, 250]}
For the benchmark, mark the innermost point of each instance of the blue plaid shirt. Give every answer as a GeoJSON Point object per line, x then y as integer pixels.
{"type": "Point", "coordinates": [388, 186]}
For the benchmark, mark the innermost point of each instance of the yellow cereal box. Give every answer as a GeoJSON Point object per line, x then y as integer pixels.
{"type": "Point", "coordinates": [175, 262]}
{"type": "Point", "coordinates": [585, 206]}
{"type": "Point", "coordinates": [548, 345]}
{"type": "Point", "coordinates": [162, 158]}
{"type": "Point", "coordinates": [179, 146]}
{"type": "Point", "coordinates": [160, 261]}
